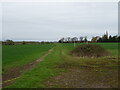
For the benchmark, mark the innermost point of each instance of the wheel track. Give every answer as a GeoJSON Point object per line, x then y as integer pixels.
{"type": "Point", "coordinates": [14, 73]}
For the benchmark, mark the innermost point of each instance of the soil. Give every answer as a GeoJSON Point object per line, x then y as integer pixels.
{"type": "Point", "coordinates": [9, 77]}
{"type": "Point", "coordinates": [84, 78]}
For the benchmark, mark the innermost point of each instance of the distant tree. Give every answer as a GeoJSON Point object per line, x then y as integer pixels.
{"type": "Point", "coordinates": [23, 42]}
{"type": "Point", "coordinates": [74, 39]}
{"type": "Point", "coordinates": [105, 37]}
{"type": "Point", "coordinates": [81, 39]}
{"type": "Point", "coordinates": [118, 39]}
{"type": "Point", "coordinates": [65, 40]}
{"type": "Point", "coordinates": [114, 38]}
{"type": "Point", "coordinates": [110, 38]}
{"type": "Point", "coordinates": [61, 40]}
{"type": "Point", "coordinates": [99, 39]}
{"type": "Point", "coordinates": [9, 42]}
{"type": "Point", "coordinates": [94, 39]}
{"type": "Point", "coordinates": [69, 39]}
{"type": "Point", "coordinates": [42, 42]}
{"type": "Point", "coordinates": [85, 39]}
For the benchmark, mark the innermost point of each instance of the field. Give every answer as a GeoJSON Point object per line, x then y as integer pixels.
{"type": "Point", "coordinates": [58, 68]}
{"type": "Point", "coordinates": [18, 55]}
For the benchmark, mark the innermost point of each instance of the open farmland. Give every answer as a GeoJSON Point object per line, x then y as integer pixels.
{"type": "Point", "coordinates": [59, 44]}
{"type": "Point", "coordinates": [18, 55]}
{"type": "Point", "coordinates": [59, 68]}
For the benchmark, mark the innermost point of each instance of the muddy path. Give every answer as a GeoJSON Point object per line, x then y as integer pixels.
{"type": "Point", "coordinates": [84, 78]}
{"type": "Point", "coordinates": [9, 77]}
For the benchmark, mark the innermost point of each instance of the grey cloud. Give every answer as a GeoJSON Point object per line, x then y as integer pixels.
{"type": "Point", "coordinates": [51, 21]}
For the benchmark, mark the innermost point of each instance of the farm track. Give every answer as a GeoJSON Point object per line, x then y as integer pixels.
{"type": "Point", "coordinates": [83, 78]}
{"type": "Point", "coordinates": [14, 73]}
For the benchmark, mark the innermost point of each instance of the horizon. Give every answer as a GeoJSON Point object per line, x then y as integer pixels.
{"type": "Point", "coordinates": [56, 40]}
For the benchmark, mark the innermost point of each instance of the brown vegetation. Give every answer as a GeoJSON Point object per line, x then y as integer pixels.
{"type": "Point", "coordinates": [89, 50]}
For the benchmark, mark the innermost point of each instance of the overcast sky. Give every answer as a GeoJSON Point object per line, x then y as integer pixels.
{"type": "Point", "coordinates": [51, 21]}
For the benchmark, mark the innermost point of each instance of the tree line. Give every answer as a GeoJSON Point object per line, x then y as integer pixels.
{"type": "Point", "coordinates": [11, 42]}
{"type": "Point", "coordinates": [103, 38]}
{"type": "Point", "coordinates": [74, 39]}
{"type": "Point", "coordinates": [106, 38]}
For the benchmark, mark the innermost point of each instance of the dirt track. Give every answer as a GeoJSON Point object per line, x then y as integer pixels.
{"type": "Point", "coordinates": [14, 73]}
{"type": "Point", "coordinates": [84, 78]}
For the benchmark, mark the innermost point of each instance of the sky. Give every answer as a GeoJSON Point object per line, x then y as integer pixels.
{"type": "Point", "coordinates": [50, 21]}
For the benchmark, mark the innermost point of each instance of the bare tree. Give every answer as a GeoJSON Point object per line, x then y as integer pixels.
{"type": "Point", "coordinates": [69, 39]}
{"type": "Point", "coordinates": [81, 39]}
{"type": "Point", "coordinates": [61, 40]}
{"type": "Point", "coordinates": [85, 39]}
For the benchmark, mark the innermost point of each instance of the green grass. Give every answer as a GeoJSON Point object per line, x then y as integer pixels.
{"type": "Point", "coordinates": [42, 71]}
{"type": "Point", "coordinates": [59, 60]}
{"type": "Point", "coordinates": [17, 55]}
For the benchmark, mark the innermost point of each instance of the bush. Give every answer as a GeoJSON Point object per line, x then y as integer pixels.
{"type": "Point", "coordinates": [23, 42]}
{"type": "Point", "coordinates": [9, 42]}
{"type": "Point", "coordinates": [89, 50]}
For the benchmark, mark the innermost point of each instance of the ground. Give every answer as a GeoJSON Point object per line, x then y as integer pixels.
{"type": "Point", "coordinates": [59, 69]}
{"type": "Point", "coordinates": [84, 78]}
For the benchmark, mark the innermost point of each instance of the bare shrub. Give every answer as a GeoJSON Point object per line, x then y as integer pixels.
{"type": "Point", "coordinates": [89, 50]}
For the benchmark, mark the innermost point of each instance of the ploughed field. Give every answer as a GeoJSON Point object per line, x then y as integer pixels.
{"type": "Point", "coordinates": [52, 66]}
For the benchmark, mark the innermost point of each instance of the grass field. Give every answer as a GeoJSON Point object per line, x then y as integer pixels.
{"type": "Point", "coordinates": [18, 55]}
{"type": "Point", "coordinates": [60, 69]}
